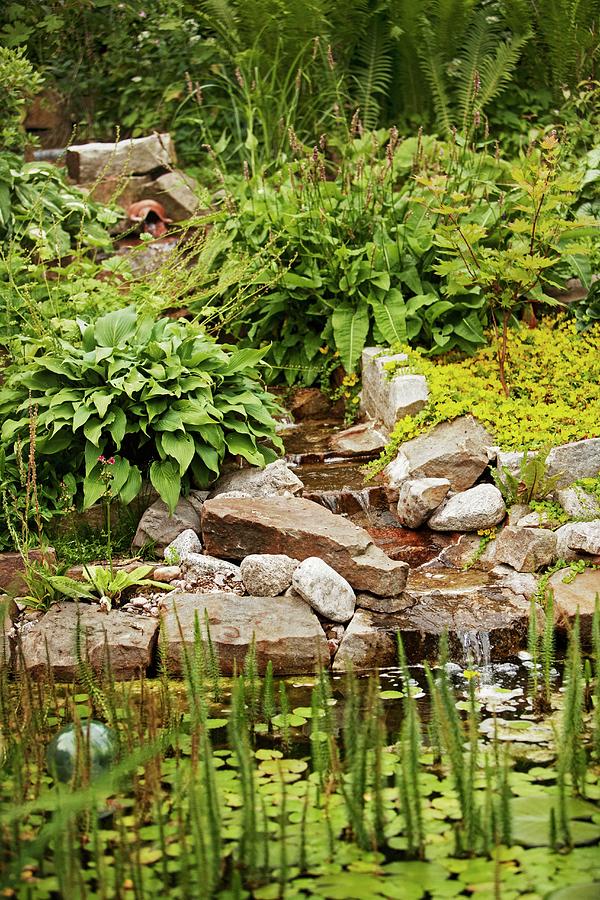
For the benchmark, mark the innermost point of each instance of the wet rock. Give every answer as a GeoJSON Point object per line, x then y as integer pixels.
{"type": "Point", "coordinates": [454, 450]}
{"type": "Point", "coordinates": [276, 479]}
{"type": "Point", "coordinates": [166, 573]}
{"type": "Point", "coordinates": [576, 538]}
{"type": "Point", "coordinates": [466, 553]}
{"type": "Point", "coordinates": [580, 459]}
{"type": "Point", "coordinates": [523, 584]}
{"type": "Point", "coordinates": [300, 528]}
{"type": "Point", "coordinates": [177, 192]}
{"type": "Point", "coordinates": [286, 631]}
{"type": "Point", "coordinates": [207, 573]}
{"type": "Point", "coordinates": [185, 543]}
{"type": "Point", "coordinates": [159, 527]}
{"type": "Point", "coordinates": [472, 612]}
{"type": "Point", "coordinates": [129, 639]}
{"type": "Point", "coordinates": [412, 547]}
{"type": "Point", "coordinates": [578, 503]}
{"type": "Point", "coordinates": [389, 399]}
{"type": "Point", "coordinates": [267, 574]}
{"type": "Point", "coordinates": [419, 498]}
{"type": "Point", "coordinates": [324, 589]}
{"type": "Point", "coordinates": [140, 156]}
{"type": "Point", "coordinates": [360, 440]}
{"type": "Point", "coordinates": [478, 508]}
{"type": "Point", "coordinates": [382, 604]}
{"type": "Point", "coordinates": [526, 549]}
{"type": "Point", "coordinates": [576, 593]}
{"type": "Point", "coordinates": [12, 567]}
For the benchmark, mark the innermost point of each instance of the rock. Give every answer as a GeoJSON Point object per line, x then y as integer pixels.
{"type": "Point", "coordinates": [418, 498]}
{"type": "Point", "coordinates": [523, 584]}
{"type": "Point", "coordinates": [177, 192]}
{"type": "Point", "coordinates": [533, 520]}
{"type": "Point", "coordinates": [140, 156]}
{"type": "Point", "coordinates": [576, 538]}
{"type": "Point", "coordinates": [276, 479]}
{"type": "Point", "coordinates": [324, 589]}
{"type": "Point", "coordinates": [473, 609]}
{"type": "Point", "coordinates": [12, 567]}
{"type": "Point", "coordinates": [166, 573]}
{"type": "Point", "coordinates": [578, 592]}
{"type": "Point", "coordinates": [389, 399]}
{"type": "Point", "coordinates": [526, 549]}
{"type": "Point", "coordinates": [454, 450]}
{"type": "Point", "coordinates": [267, 574]}
{"type": "Point", "coordinates": [517, 512]}
{"type": "Point", "coordinates": [207, 573]}
{"type": "Point", "coordinates": [511, 460]}
{"type": "Point", "coordinates": [115, 189]}
{"type": "Point", "coordinates": [197, 498]}
{"type": "Point", "coordinates": [159, 527]}
{"type": "Point", "coordinates": [287, 632]}
{"type": "Point", "coordinates": [185, 543]}
{"type": "Point", "coordinates": [360, 440]}
{"type": "Point", "coordinates": [578, 503]}
{"type": "Point", "coordinates": [300, 528]}
{"type": "Point", "coordinates": [581, 459]}
{"type": "Point", "coordinates": [466, 554]}
{"type": "Point", "coordinates": [308, 403]}
{"type": "Point", "coordinates": [129, 639]}
{"type": "Point", "coordinates": [382, 604]}
{"type": "Point", "coordinates": [478, 508]}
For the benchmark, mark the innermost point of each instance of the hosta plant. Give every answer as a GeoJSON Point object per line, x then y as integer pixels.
{"type": "Point", "coordinates": [161, 399]}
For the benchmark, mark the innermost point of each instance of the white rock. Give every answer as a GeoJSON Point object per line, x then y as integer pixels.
{"type": "Point", "coordinates": [579, 504]}
{"type": "Point", "coordinates": [205, 573]}
{"type": "Point", "coordinates": [581, 459]}
{"type": "Point", "coordinates": [267, 574]}
{"type": "Point", "coordinates": [186, 542]}
{"type": "Point", "coordinates": [576, 538]}
{"type": "Point", "coordinates": [324, 589]}
{"type": "Point", "coordinates": [389, 399]}
{"type": "Point", "coordinates": [479, 507]}
{"type": "Point", "coordinates": [276, 479]}
{"type": "Point", "coordinates": [419, 498]}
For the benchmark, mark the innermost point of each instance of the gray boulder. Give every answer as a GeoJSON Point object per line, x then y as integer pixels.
{"type": "Point", "coordinates": [324, 589]}
{"type": "Point", "coordinates": [580, 459]}
{"type": "Point", "coordinates": [158, 526]}
{"type": "Point", "coordinates": [177, 192]}
{"type": "Point", "coordinates": [186, 542]}
{"type": "Point", "coordinates": [576, 538]}
{"type": "Point", "coordinates": [526, 549]}
{"type": "Point", "coordinates": [389, 399]}
{"type": "Point", "coordinates": [419, 498]}
{"type": "Point", "coordinates": [267, 574]}
{"type": "Point", "coordinates": [275, 480]}
{"type": "Point", "coordinates": [578, 503]}
{"type": "Point", "coordinates": [138, 156]}
{"type": "Point", "coordinates": [479, 507]}
{"type": "Point", "coordinates": [456, 450]}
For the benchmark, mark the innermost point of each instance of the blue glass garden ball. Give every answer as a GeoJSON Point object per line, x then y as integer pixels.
{"type": "Point", "coordinates": [61, 755]}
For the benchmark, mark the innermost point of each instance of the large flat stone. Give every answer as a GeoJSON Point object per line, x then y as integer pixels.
{"type": "Point", "coordinates": [130, 641]}
{"type": "Point", "coordinates": [140, 156]}
{"type": "Point", "coordinates": [389, 399]}
{"type": "Point", "coordinates": [580, 459]}
{"type": "Point", "coordinates": [12, 567]}
{"type": "Point", "coordinates": [472, 607]}
{"type": "Point", "coordinates": [575, 594]}
{"type": "Point", "coordinates": [285, 629]}
{"type": "Point", "coordinates": [234, 528]}
{"type": "Point", "coordinates": [456, 450]}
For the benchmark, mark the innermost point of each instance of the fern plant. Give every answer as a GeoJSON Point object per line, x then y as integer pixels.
{"type": "Point", "coordinates": [531, 482]}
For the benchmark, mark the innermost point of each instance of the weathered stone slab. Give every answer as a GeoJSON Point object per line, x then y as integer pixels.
{"type": "Point", "coordinates": [468, 609]}
{"type": "Point", "coordinates": [360, 440]}
{"type": "Point", "coordinates": [12, 567]}
{"type": "Point", "coordinates": [526, 549]}
{"type": "Point", "coordinates": [580, 459]}
{"type": "Point", "coordinates": [419, 498]}
{"type": "Point", "coordinates": [176, 192]}
{"type": "Point", "coordinates": [389, 399]}
{"type": "Point", "coordinates": [130, 641]}
{"type": "Point", "coordinates": [479, 507]}
{"type": "Point", "coordinates": [234, 528]}
{"type": "Point", "coordinates": [140, 156]}
{"type": "Point", "coordinates": [578, 593]}
{"type": "Point", "coordinates": [456, 450]}
{"type": "Point", "coordinates": [276, 479]}
{"type": "Point", "coordinates": [286, 631]}
{"type": "Point", "coordinates": [161, 528]}
{"type": "Point", "coordinates": [577, 538]}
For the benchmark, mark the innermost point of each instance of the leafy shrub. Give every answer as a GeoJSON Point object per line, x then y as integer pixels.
{"type": "Point", "coordinates": [163, 399]}
{"type": "Point", "coordinates": [18, 83]}
{"type": "Point", "coordinates": [554, 374]}
{"type": "Point", "coordinates": [41, 213]}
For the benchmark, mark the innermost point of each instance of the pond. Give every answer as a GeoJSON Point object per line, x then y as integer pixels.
{"type": "Point", "coordinates": [451, 781]}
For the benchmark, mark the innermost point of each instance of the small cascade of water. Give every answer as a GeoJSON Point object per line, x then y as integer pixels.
{"type": "Point", "coordinates": [476, 648]}
{"type": "Point", "coordinates": [363, 499]}
{"type": "Point", "coordinates": [330, 500]}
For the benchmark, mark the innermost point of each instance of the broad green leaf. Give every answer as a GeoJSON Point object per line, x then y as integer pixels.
{"type": "Point", "coordinates": [93, 488]}
{"type": "Point", "coordinates": [132, 486]}
{"type": "Point", "coordinates": [116, 328]}
{"type": "Point", "coordinates": [180, 446]}
{"type": "Point", "coordinates": [165, 477]}
{"type": "Point", "coordinates": [390, 316]}
{"type": "Point", "coordinates": [244, 445]}
{"type": "Point", "coordinates": [350, 329]}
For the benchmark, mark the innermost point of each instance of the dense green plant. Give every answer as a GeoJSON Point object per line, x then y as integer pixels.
{"type": "Point", "coordinates": [162, 399]}
{"type": "Point", "coordinates": [530, 482]}
{"type": "Point", "coordinates": [41, 213]}
{"type": "Point", "coordinates": [19, 82]}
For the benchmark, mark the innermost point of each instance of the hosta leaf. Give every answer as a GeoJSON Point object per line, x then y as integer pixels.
{"type": "Point", "coordinates": [120, 473]}
{"type": "Point", "coordinates": [116, 328]}
{"type": "Point", "coordinates": [209, 457]}
{"type": "Point", "coordinates": [244, 445]}
{"type": "Point", "coordinates": [93, 488]}
{"type": "Point", "coordinates": [118, 426]}
{"type": "Point", "coordinates": [132, 486]}
{"type": "Point", "coordinates": [165, 477]}
{"type": "Point", "coordinates": [180, 446]}
{"type": "Point", "coordinates": [243, 359]}
{"type": "Point", "coordinates": [350, 329]}
{"type": "Point", "coordinates": [390, 316]}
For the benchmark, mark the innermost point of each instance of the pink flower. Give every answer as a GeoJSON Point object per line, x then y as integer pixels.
{"type": "Point", "coordinates": [101, 459]}
{"type": "Point", "coordinates": [111, 461]}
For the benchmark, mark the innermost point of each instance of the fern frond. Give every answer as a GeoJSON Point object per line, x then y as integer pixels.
{"type": "Point", "coordinates": [435, 73]}
{"type": "Point", "coordinates": [496, 72]}
{"type": "Point", "coordinates": [373, 72]}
